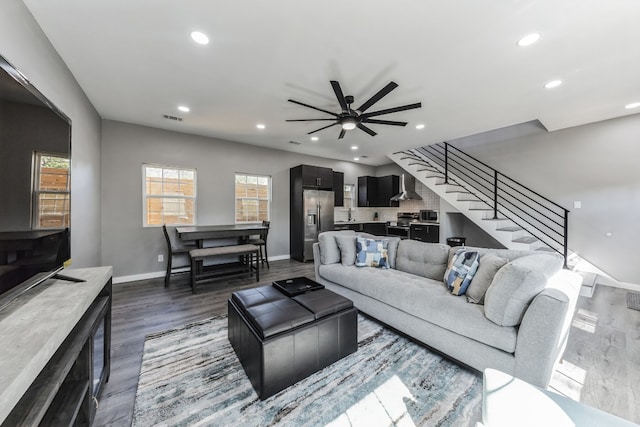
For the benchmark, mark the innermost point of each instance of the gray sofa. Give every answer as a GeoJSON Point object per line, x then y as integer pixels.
{"type": "Point", "coordinates": [521, 328]}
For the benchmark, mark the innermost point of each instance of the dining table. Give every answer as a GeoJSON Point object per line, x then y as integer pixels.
{"type": "Point", "coordinates": [201, 233]}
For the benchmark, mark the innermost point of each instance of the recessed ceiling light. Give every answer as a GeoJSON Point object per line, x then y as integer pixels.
{"type": "Point", "coordinates": [529, 39]}
{"type": "Point", "coordinates": [314, 138]}
{"type": "Point", "coordinates": [260, 126]}
{"type": "Point", "coordinates": [553, 83]}
{"type": "Point", "coordinates": [354, 147]}
{"type": "Point", "coordinates": [609, 234]}
{"type": "Point", "coordinates": [420, 126]}
{"type": "Point", "coordinates": [356, 158]}
{"type": "Point", "coordinates": [632, 105]}
{"type": "Point", "coordinates": [184, 108]}
{"type": "Point", "coordinates": [200, 38]}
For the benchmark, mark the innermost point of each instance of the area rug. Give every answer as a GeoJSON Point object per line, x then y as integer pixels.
{"type": "Point", "coordinates": [633, 300]}
{"type": "Point", "coordinates": [190, 376]}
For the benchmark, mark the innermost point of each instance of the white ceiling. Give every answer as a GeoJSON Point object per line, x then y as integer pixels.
{"type": "Point", "coordinates": [136, 61]}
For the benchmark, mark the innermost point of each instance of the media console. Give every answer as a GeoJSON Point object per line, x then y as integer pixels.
{"type": "Point", "coordinates": [56, 345]}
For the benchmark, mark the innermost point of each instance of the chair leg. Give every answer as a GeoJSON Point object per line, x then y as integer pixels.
{"type": "Point", "coordinates": [194, 271]}
{"type": "Point", "coordinates": [257, 268]}
{"type": "Point", "coordinates": [266, 256]}
{"type": "Point", "coordinates": [167, 275]}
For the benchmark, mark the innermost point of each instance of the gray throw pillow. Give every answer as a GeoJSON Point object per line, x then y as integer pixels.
{"type": "Point", "coordinates": [489, 266]}
{"type": "Point", "coordinates": [347, 246]}
{"type": "Point", "coordinates": [516, 284]}
{"type": "Point", "coordinates": [329, 251]}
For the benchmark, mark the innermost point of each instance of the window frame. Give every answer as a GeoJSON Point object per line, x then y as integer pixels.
{"type": "Point", "coordinates": [236, 198]}
{"type": "Point", "coordinates": [36, 192]}
{"type": "Point", "coordinates": [146, 196]}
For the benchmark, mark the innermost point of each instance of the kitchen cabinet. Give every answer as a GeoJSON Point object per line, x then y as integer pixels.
{"type": "Point", "coordinates": [375, 228]}
{"type": "Point", "coordinates": [338, 188]}
{"type": "Point", "coordinates": [367, 190]}
{"type": "Point", "coordinates": [425, 233]}
{"type": "Point", "coordinates": [377, 191]}
{"type": "Point", "coordinates": [388, 186]}
{"type": "Point", "coordinates": [357, 226]}
{"type": "Point", "coordinates": [314, 176]}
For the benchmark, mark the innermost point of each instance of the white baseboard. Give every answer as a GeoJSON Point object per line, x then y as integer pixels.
{"type": "Point", "coordinates": [624, 285]}
{"type": "Point", "coordinates": [136, 277]}
{"type": "Point", "coordinates": [157, 274]}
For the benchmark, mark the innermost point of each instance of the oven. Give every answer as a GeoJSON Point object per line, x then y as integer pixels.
{"type": "Point", "coordinates": [400, 231]}
{"type": "Point", "coordinates": [402, 227]}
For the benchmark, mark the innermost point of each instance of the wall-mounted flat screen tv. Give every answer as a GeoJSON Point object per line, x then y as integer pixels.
{"type": "Point", "coordinates": [35, 184]}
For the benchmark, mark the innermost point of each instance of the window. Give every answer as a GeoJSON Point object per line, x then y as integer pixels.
{"type": "Point", "coordinates": [51, 195]}
{"type": "Point", "coordinates": [253, 198]}
{"type": "Point", "coordinates": [169, 195]}
{"type": "Point", "coordinates": [349, 195]}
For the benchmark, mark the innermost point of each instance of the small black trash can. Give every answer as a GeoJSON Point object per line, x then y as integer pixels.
{"type": "Point", "coordinates": [456, 241]}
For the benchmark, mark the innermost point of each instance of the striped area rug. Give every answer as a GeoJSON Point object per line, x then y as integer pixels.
{"type": "Point", "coordinates": [190, 376]}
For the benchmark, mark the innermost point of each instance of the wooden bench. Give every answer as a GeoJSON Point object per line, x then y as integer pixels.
{"type": "Point", "coordinates": [248, 255]}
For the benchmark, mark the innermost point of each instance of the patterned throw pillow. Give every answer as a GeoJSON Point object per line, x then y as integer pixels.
{"type": "Point", "coordinates": [372, 252]}
{"type": "Point", "coordinates": [460, 271]}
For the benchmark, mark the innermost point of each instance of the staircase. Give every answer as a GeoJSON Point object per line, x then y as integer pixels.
{"type": "Point", "coordinates": [514, 215]}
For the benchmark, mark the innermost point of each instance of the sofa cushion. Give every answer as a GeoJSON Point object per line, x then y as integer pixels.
{"type": "Point", "coordinates": [509, 254]}
{"type": "Point", "coordinates": [487, 269]}
{"type": "Point", "coordinates": [425, 299]}
{"type": "Point", "coordinates": [347, 245]}
{"type": "Point", "coordinates": [422, 259]}
{"type": "Point", "coordinates": [516, 284]}
{"type": "Point", "coordinates": [460, 271]}
{"type": "Point", "coordinates": [329, 251]}
{"type": "Point", "coordinates": [392, 249]}
{"type": "Point", "coordinates": [372, 252]}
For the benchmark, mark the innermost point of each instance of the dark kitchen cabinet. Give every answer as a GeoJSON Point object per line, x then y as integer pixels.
{"type": "Point", "coordinates": [338, 188]}
{"type": "Point", "coordinates": [377, 191]}
{"type": "Point", "coordinates": [375, 228]}
{"type": "Point", "coordinates": [388, 186]}
{"type": "Point", "coordinates": [315, 176]}
{"type": "Point", "coordinates": [425, 233]}
{"type": "Point", "coordinates": [367, 191]}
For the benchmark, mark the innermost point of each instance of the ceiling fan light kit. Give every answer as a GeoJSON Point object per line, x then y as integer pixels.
{"type": "Point", "coordinates": [350, 118]}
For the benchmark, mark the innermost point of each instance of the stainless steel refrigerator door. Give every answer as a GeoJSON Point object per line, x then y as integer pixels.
{"type": "Point", "coordinates": [325, 200]}
{"type": "Point", "coordinates": [310, 210]}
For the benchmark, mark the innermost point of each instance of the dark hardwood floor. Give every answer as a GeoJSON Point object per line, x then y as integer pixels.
{"type": "Point", "coordinates": [601, 368]}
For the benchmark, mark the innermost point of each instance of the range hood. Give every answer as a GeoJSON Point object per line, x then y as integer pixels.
{"type": "Point", "coordinates": [407, 189]}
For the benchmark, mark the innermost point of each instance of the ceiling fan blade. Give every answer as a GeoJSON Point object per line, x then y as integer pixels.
{"type": "Point", "coordinates": [366, 129]}
{"type": "Point", "coordinates": [392, 110]}
{"type": "Point", "coordinates": [384, 122]}
{"type": "Point", "coordinates": [318, 130]}
{"type": "Point", "coordinates": [311, 106]}
{"type": "Point", "coordinates": [338, 91]}
{"type": "Point", "coordinates": [342, 133]}
{"type": "Point", "coordinates": [305, 120]}
{"type": "Point", "coordinates": [378, 96]}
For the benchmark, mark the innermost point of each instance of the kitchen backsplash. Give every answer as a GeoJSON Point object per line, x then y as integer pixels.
{"type": "Point", "coordinates": [430, 200]}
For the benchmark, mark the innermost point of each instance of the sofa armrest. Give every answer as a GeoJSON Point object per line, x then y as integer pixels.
{"type": "Point", "coordinates": [543, 333]}
{"type": "Point", "coordinates": [316, 260]}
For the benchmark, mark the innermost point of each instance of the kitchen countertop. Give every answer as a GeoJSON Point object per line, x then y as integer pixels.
{"type": "Point", "coordinates": [359, 222]}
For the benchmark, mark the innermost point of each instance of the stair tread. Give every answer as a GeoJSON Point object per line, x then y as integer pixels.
{"type": "Point", "coordinates": [514, 228]}
{"type": "Point", "coordinates": [526, 239]}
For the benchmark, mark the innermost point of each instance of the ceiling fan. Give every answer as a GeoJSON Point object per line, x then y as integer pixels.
{"type": "Point", "coordinates": [350, 118]}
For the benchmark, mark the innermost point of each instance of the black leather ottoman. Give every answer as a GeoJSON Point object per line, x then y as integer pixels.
{"type": "Point", "coordinates": [281, 340]}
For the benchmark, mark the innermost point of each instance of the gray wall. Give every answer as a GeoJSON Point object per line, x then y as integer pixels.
{"type": "Point", "coordinates": [596, 164]}
{"type": "Point", "coordinates": [18, 140]}
{"type": "Point", "coordinates": [133, 249]}
{"type": "Point", "coordinates": [23, 43]}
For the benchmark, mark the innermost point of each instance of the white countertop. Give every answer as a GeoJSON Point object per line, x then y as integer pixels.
{"type": "Point", "coordinates": [34, 326]}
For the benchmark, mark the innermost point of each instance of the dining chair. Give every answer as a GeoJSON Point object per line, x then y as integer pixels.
{"type": "Point", "coordinates": [261, 242]}
{"type": "Point", "coordinates": [179, 251]}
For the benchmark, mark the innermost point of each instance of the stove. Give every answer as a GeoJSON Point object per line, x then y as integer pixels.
{"type": "Point", "coordinates": [402, 226]}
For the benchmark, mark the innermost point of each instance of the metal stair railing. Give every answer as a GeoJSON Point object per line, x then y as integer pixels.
{"type": "Point", "coordinates": [542, 218]}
